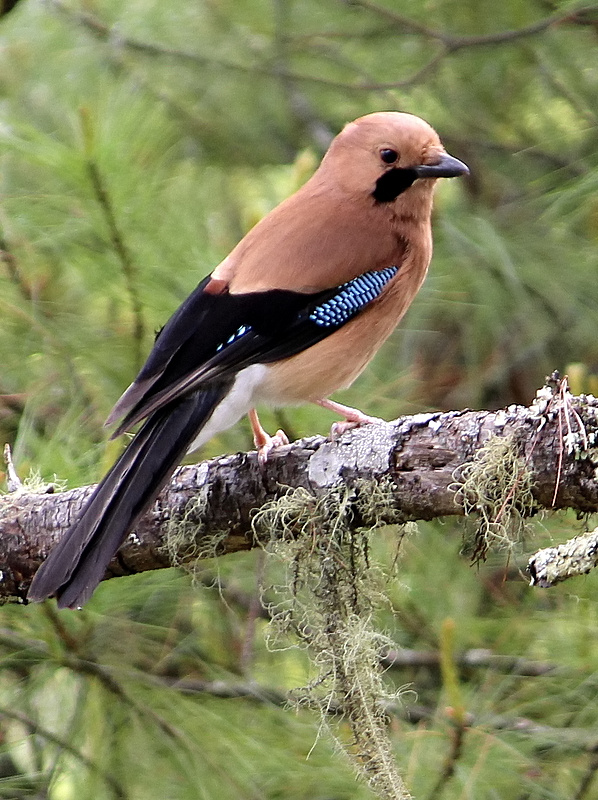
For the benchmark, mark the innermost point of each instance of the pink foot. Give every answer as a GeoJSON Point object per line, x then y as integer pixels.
{"type": "Point", "coordinates": [353, 418]}
{"type": "Point", "coordinates": [270, 442]}
{"type": "Point", "coordinates": [265, 443]}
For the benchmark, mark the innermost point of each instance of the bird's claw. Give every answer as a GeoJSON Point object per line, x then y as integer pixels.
{"type": "Point", "coordinates": [353, 417]}
{"type": "Point", "coordinates": [354, 421]}
{"type": "Point", "coordinates": [268, 443]}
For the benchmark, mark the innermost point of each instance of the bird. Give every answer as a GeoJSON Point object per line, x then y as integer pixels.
{"type": "Point", "coordinates": [295, 312]}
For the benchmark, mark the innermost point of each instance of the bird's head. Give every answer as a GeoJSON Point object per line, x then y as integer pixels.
{"type": "Point", "coordinates": [386, 153]}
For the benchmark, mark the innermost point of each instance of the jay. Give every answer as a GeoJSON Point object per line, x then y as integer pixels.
{"type": "Point", "coordinates": [295, 312]}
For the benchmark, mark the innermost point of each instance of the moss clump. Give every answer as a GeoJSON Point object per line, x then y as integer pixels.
{"type": "Point", "coordinates": [497, 487]}
{"type": "Point", "coordinates": [187, 540]}
{"type": "Point", "coordinates": [375, 503]}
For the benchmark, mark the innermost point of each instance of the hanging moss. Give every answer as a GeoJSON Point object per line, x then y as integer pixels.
{"type": "Point", "coordinates": [496, 486]}
{"type": "Point", "coordinates": [329, 597]}
{"type": "Point", "coordinates": [187, 540]}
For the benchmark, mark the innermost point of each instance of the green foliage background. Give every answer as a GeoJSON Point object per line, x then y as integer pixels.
{"type": "Point", "coordinates": [138, 142]}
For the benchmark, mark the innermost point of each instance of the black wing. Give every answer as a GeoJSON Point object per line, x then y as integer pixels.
{"type": "Point", "coordinates": [213, 336]}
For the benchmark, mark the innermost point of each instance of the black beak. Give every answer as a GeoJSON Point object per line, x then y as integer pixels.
{"type": "Point", "coordinates": [447, 167]}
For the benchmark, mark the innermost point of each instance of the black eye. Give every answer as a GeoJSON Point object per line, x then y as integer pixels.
{"type": "Point", "coordinates": [388, 156]}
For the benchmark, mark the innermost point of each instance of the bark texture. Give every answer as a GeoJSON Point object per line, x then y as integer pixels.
{"type": "Point", "coordinates": [421, 458]}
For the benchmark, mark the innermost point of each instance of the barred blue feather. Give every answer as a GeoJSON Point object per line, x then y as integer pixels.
{"type": "Point", "coordinates": [352, 297]}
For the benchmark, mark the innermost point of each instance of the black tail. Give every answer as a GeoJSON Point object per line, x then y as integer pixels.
{"type": "Point", "coordinates": [78, 563]}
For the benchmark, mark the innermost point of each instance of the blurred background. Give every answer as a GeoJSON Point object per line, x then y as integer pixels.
{"type": "Point", "coordinates": [138, 142]}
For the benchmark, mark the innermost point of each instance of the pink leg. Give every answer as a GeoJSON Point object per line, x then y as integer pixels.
{"type": "Point", "coordinates": [353, 418]}
{"type": "Point", "coordinates": [263, 442]}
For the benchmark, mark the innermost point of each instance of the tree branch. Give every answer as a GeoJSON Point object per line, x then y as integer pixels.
{"type": "Point", "coordinates": [420, 460]}
{"type": "Point", "coordinates": [581, 16]}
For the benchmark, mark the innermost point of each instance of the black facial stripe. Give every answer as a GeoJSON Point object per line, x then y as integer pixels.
{"type": "Point", "coordinates": [390, 185]}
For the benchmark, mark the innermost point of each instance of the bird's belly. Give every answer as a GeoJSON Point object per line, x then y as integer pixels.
{"type": "Point", "coordinates": [237, 402]}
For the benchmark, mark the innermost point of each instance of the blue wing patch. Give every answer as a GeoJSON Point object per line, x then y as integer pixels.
{"type": "Point", "coordinates": [352, 297]}
{"type": "Point", "coordinates": [236, 335]}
